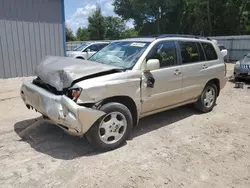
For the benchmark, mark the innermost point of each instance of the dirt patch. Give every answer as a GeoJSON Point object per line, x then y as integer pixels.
{"type": "Point", "coordinates": [177, 148]}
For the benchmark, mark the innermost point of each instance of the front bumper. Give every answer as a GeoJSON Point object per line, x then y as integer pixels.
{"type": "Point", "coordinates": [242, 73]}
{"type": "Point", "coordinates": [60, 109]}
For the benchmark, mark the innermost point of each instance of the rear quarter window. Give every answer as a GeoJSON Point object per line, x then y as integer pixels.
{"type": "Point", "coordinates": [209, 51]}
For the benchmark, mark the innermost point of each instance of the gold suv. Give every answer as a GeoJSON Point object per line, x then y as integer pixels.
{"type": "Point", "coordinates": [103, 97]}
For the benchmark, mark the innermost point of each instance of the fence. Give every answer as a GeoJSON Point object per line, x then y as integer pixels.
{"type": "Point", "coordinates": [73, 44]}
{"type": "Point", "coordinates": [237, 46]}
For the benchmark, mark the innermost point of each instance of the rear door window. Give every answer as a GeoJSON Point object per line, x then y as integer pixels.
{"type": "Point", "coordinates": [191, 52]}
{"type": "Point", "coordinates": [201, 52]}
{"type": "Point", "coordinates": [209, 51]}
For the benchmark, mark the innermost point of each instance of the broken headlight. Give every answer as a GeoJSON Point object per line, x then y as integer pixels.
{"type": "Point", "coordinates": [73, 93]}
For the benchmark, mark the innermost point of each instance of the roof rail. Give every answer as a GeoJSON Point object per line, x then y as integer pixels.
{"type": "Point", "coordinates": [183, 36]}
{"type": "Point", "coordinates": [173, 35]}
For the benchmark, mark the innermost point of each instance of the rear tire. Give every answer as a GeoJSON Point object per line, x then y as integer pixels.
{"type": "Point", "coordinates": [207, 99]}
{"type": "Point", "coordinates": [111, 130]}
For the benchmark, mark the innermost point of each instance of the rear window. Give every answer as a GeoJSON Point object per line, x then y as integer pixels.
{"type": "Point", "coordinates": [209, 51]}
{"type": "Point", "coordinates": [191, 52]}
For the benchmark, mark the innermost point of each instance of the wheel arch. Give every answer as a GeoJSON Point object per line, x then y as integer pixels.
{"type": "Point", "coordinates": [216, 82]}
{"type": "Point", "coordinates": [126, 101]}
{"type": "Point", "coordinates": [79, 57]}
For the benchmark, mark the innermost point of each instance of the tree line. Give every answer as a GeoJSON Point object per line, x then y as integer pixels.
{"type": "Point", "coordinates": [100, 28]}
{"type": "Point", "coordinates": [197, 17]}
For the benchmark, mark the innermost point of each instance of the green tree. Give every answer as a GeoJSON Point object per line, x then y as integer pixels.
{"type": "Point", "coordinates": [128, 33]}
{"type": "Point", "coordinates": [115, 27]}
{"type": "Point", "coordinates": [214, 17]}
{"type": "Point", "coordinates": [151, 17]}
{"type": "Point", "coordinates": [82, 34]}
{"type": "Point", "coordinates": [96, 25]}
{"type": "Point", "coordinates": [69, 34]}
{"type": "Point", "coordinates": [206, 17]}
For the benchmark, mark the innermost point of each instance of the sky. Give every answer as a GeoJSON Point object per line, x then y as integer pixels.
{"type": "Point", "coordinates": [77, 11]}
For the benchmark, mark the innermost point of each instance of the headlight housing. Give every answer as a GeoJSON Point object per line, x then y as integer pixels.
{"type": "Point", "coordinates": [74, 93]}
{"type": "Point", "coordinates": [237, 65]}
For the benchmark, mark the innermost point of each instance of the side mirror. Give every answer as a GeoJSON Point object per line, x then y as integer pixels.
{"type": "Point", "coordinates": [152, 64]}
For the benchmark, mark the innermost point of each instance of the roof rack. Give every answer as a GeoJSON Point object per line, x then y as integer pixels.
{"type": "Point", "coordinates": [173, 35]}
{"type": "Point", "coordinates": [183, 36]}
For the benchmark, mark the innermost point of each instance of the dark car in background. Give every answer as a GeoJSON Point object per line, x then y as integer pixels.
{"type": "Point", "coordinates": [242, 68]}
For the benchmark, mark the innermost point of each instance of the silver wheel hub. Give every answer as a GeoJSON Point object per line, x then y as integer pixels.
{"type": "Point", "coordinates": [209, 97]}
{"type": "Point", "coordinates": [112, 127]}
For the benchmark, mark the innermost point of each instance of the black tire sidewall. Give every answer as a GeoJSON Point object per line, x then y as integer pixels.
{"type": "Point", "coordinates": [204, 108]}
{"type": "Point", "coordinates": [93, 134]}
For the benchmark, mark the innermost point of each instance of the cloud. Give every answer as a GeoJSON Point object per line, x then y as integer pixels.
{"type": "Point", "coordinates": [130, 24]}
{"type": "Point", "coordinates": [108, 8]}
{"type": "Point", "coordinates": [80, 16]}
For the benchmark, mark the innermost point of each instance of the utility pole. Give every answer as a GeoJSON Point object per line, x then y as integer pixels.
{"type": "Point", "coordinates": [209, 18]}
{"type": "Point", "coordinates": [158, 20]}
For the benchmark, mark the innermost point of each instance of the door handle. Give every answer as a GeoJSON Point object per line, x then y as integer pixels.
{"type": "Point", "coordinates": [204, 67]}
{"type": "Point", "coordinates": [177, 72]}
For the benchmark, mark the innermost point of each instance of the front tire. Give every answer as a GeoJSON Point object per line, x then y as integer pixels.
{"type": "Point", "coordinates": [207, 99]}
{"type": "Point", "coordinates": [113, 129]}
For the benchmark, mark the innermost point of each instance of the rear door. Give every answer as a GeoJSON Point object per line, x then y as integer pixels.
{"type": "Point", "coordinates": [166, 90]}
{"type": "Point", "coordinates": [194, 69]}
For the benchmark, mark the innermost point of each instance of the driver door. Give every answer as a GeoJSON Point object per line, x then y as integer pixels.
{"type": "Point", "coordinates": [167, 81]}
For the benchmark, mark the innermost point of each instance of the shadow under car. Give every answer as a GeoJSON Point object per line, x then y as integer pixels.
{"type": "Point", "coordinates": [51, 140]}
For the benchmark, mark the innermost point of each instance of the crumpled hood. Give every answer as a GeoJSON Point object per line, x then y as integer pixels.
{"type": "Point", "coordinates": [61, 72]}
{"type": "Point", "coordinates": [245, 61]}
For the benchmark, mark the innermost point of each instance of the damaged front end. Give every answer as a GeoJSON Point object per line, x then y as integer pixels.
{"type": "Point", "coordinates": [53, 95]}
{"type": "Point", "coordinates": [60, 109]}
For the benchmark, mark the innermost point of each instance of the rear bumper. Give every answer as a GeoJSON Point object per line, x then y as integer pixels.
{"type": "Point", "coordinates": [61, 110]}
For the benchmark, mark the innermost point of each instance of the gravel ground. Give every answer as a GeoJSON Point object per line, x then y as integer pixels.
{"type": "Point", "coordinates": [177, 148]}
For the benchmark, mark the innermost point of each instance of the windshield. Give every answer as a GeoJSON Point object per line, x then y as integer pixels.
{"type": "Point", "coordinates": [81, 47]}
{"type": "Point", "coordinates": [248, 56]}
{"type": "Point", "coordinates": [122, 53]}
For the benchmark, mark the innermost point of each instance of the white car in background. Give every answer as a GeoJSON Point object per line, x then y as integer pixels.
{"type": "Point", "coordinates": [86, 50]}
